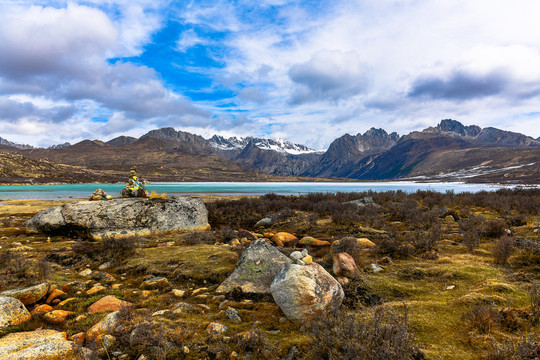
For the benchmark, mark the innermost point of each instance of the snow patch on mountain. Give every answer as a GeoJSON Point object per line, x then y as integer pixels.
{"type": "Point", "coordinates": [279, 145]}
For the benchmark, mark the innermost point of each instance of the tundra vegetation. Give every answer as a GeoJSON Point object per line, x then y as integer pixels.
{"type": "Point", "coordinates": [458, 277]}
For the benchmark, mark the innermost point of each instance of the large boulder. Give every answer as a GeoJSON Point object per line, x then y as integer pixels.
{"type": "Point", "coordinates": [28, 295]}
{"type": "Point", "coordinates": [122, 217]}
{"type": "Point", "coordinates": [305, 291]}
{"type": "Point", "coordinates": [256, 269]}
{"type": "Point", "coordinates": [12, 312]}
{"type": "Point", "coordinates": [39, 345]}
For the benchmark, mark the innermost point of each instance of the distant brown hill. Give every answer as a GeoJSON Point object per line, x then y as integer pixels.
{"type": "Point", "coordinates": [448, 151]}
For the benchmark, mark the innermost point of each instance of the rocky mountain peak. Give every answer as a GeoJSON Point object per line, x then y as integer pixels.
{"type": "Point", "coordinates": [453, 126]}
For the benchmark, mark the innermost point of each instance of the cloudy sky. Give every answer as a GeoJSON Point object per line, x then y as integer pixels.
{"type": "Point", "coordinates": [307, 71]}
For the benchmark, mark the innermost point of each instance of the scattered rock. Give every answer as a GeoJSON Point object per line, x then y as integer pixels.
{"type": "Point", "coordinates": [284, 239]}
{"type": "Point", "coordinates": [232, 314]}
{"type": "Point", "coordinates": [12, 312]}
{"type": "Point", "coordinates": [65, 302]}
{"type": "Point", "coordinates": [256, 269]}
{"type": "Point", "coordinates": [365, 243]}
{"type": "Point", "coordinates": [199, 290]}
{"type": "Point", "coordinates": [178, 293]}
{"type": "Point", "coordinates": [107, 303]}
{"type": "Point", "coordinates": [161, 312]}
{"type": "Point", "coordinates": [57, 316]}
{"type": "Point", "coordinates": [267, 221]}
{"type": "Point", "coordinates": [41, 309]}
{"type": "Point", "coordinates": [308, 240]}
{"type": "Point", "coordinates": [215, 328]}
{"type": "Point", "coordinates": [54, 294]}
{"type": "Point", "coordinates": [305, 291]}
{"type": "Point", "coordinates": [344, 265]}
{"type": "Point", "coordinates": [450, 287]}
{"type": "Point", "coordinates": [105, 265]}
{"type": "Point", "coordinates": [95, 289]}
{"type": "Point", "coordinates": [155, 283]}
{"type": "Point", "coordinates": [29, 295]}
{"type": "Point", "coordinates": [376, 268]}
{"type": "Point", "coordinates": [122, 217]}
{"type": "Point", "coordinates": [183, 307]}
{"type": "Point", "coordinates": [85, 272]}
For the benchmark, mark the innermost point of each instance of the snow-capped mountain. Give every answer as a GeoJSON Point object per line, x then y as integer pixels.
{"type": "Point", "coordinates": [279, 145]}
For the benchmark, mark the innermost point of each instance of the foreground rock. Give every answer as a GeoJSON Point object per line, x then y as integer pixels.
{"type": "Point", "coordinates": [122, 217]}
{"type": "Point", "coordinates": [256, 269]}
{"type": "Point", "coordinates": [29, 295]}
{"type": "Point", "coordinates": [39, 345]}
{"type": "Point", "coordinates": [12, 312]}
{"type": "Point", "coordinates": [306, 291]}
{"type": "Point", "coordinates": [344, 265]}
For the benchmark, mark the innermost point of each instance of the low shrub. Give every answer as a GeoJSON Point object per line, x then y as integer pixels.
{"type": "Point", "coordinates": [503, 249]}
{"type": "Point", "coordinates": [115, 250]}
{"type": "Point", "coordinates": [494, 228]}
{"type": "Point", "coordinates": [383, 335]}
{"type": "Point", "coordinates": [482, 318]}
{"type": "Point", "coordinates": [200, 237]}
{"type": "Point", "coordinates": [527, 348]}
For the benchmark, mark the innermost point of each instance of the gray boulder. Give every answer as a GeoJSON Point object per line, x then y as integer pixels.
{"type": "Point", "coordinates": [256, 269]}
{"type": "Point", "coordinates": [28, 295]}
{"type": "Point", "coordinates": [302, 292]}
{"type": "Point", "coordinates": [12, 312]}
{"type": "Point", "coordinates": [122, 217]}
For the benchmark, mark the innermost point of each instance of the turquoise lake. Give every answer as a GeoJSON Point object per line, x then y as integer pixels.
{"type": "Point", "coordinates": [78, 191]}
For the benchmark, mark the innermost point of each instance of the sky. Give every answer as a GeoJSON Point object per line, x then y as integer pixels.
{"type": "Point", "coordinates": [305, 71]}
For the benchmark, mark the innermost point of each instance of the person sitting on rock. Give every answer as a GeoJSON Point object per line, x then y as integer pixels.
{"type": "Point", "coordinates": [134, 187]}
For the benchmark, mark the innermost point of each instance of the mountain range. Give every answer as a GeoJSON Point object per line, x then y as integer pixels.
{"type": "Point", "coordinates": [449, 151]}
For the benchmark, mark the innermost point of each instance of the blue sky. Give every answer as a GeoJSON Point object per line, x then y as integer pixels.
{"type": "Point", "coordinates": [307, 71]}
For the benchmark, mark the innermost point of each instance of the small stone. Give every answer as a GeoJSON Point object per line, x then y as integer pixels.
{"type": "Point", "coordinates": [85, 272]}
{"type": "Point", "coordinates": [178, 293]}
{"type": "Point", "coordinates": [54, 294]}
{"type": "Point", "coordinates": [104, 266]}
{"type": "Point", "coordinates": [376, 268]}
{"type": "Point", "coordinates": [65, 302]}
{"type": "Point", "coordinates": [116, 286]}
{"type": "Point", "coordinates": [146, 293]}
{"type": "Point", "coordinates": [161, 312]}
{"type": "Point", "coordinates": [307, 259]}
{"type": "Point", "coordinates": [232, 314]}
{"type": "Point", "coordinates": [185, 349]}
{"type": "Point", "coordinates": [216, 328]}
{"type": "Point", "coordinates": [57, 316]}
{"type": "Point", "coordinates": [296, 255]}
{"type": "Point", "coordinates": [233, 355]}
{"type": "Point", "coordinates": [204, 306]}
{"type": "Point", "coordinates": [41, 309]}
{"type": "Point", "coordinates": [155, 283]}
{"type": "Point", "coordinates": [199, 290]}
{"type": "Point", "coordinates": [223, 303]}
{"type": "Point", "coordinates": [449, 287]}
{"type": "Point", "coordinates": [95, 290]}
{"type": "Point", "coordinates": [80, 318]}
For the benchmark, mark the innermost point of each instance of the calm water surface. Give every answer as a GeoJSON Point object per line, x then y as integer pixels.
{"type": "Point", "coordinates": [78, 191]}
